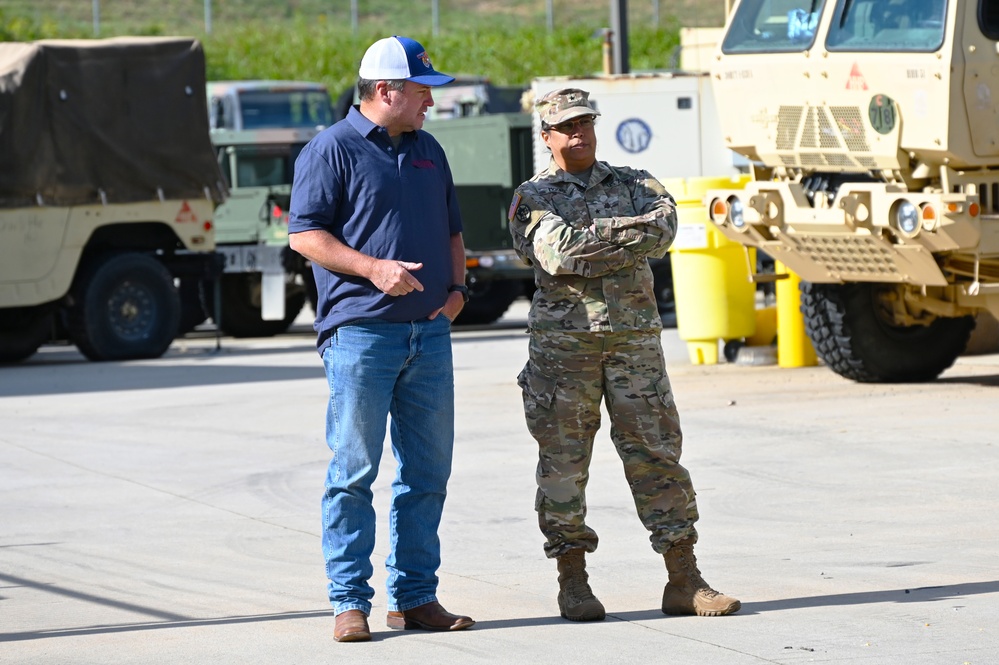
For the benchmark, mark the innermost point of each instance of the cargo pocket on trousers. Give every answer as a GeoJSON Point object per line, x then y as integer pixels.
{"type": "Point", "coordinates": [537, 387]}
{"type": "Point", "coordinates": [539, 406]}
{"type": "Point", "coordinates": [665, 392]}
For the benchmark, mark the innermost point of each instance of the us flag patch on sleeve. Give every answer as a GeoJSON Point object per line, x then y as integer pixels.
{"type": "Point", "coordinates": [513, 207]}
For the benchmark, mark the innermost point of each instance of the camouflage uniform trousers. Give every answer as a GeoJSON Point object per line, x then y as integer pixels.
{"type": "Point", "coordinates": [566, 377]}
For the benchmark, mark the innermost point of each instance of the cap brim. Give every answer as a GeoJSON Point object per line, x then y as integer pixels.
{"type": "Point", "coordinates": [570, 113]}
{"type": "Point", "coordinates": [431, 79]}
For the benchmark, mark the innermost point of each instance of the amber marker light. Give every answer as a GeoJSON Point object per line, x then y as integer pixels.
{"type": "Point", "coordinates": [928, 215]}
{"type": "Point", "coordinates": [974, 209]}
{"type": "Point", "coordinates": [718, 210]}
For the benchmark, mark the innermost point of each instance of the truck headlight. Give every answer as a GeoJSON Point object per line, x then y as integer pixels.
{"type": "Point", "coordinates": [907, 218]}
{"type": "Point", "coordinates": [736, 213]}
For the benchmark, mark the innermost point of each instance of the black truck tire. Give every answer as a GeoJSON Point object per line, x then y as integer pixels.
{"type": "Point", "coordinates": [240, 306]}
{"type": "Point", "coordinates": [488, 301]}
{"type": "Point", "coordinates": [858, 342]}
{"type": "Point", "coordinates": [123, 307]}
{"type": "Point", "coordinates": [23, 330]}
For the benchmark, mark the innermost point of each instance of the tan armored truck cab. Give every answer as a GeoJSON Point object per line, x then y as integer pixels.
{"type": "Point", "coordinates": [108, 186]}
{"type": "Point", "coordinates": [873, 129]}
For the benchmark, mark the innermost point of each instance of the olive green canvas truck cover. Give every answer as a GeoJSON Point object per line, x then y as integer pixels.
{"type": "Point", "coordinates": [78, 118]}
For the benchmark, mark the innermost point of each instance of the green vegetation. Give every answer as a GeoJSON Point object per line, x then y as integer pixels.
{"type": "Point", "coordinates": [506, 41]}
{"type": "Point", "coordinates": [506, 57]}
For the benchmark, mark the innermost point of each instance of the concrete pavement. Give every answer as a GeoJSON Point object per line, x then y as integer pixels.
{"type": "Point", "coordinates": [167, 512]}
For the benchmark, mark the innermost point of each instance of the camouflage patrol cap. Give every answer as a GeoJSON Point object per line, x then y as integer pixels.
{"type": "Point", "coordinates": [565, 104]}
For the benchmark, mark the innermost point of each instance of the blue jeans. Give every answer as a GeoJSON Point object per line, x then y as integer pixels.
{"type": "Point", "coordinates": [378, 369]}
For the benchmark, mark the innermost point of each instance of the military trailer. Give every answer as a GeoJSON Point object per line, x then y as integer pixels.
{"type": "Point", "coordinates": [871, 125]}
{"type": "Point", "coordinates": [108, 186]}
{"type": "Point", "coordinates": [258, 128]}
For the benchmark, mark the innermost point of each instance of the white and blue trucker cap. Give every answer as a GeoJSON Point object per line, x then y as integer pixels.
{"type": "Point", "coordinates": [396, 58]}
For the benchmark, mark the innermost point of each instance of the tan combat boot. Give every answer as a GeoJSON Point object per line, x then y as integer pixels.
{"type": "Point", "coordinates": [576, 601]}
{"type": "Point", "coordinates": [687, 592]}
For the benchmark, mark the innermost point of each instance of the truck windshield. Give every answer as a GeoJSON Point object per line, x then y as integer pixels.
{"type": "Point", "coordinates": [772, 26]}
{"type": "Point", "coordinates": [887, 25]}
{"type": "Point", "coordinates": [292, 108]}
{"type": "Point", "coordinates": [259, 166]}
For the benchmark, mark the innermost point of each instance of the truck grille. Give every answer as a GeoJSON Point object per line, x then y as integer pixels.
{"type": "Point", "coordinates": [819, 136]}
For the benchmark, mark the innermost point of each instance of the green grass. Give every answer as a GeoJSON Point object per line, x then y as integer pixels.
{"type": "Point", "coordinates": [505, 40]}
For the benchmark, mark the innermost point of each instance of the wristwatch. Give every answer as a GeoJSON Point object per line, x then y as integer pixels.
{"type": "Point", "coordinates": [460, 288]}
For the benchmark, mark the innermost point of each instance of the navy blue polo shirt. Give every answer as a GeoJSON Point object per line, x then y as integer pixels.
{"type": "Point", "coordinates": [388, 203]}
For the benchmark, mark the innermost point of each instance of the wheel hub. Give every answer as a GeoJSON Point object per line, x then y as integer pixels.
{"type": "Point", "coordinates": [131, 311]}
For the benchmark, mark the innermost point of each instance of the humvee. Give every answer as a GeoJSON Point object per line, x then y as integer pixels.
{"type": "Point", "coordinates": [872, 129]}
{"type": "Point", "coordinates": [108, 184]}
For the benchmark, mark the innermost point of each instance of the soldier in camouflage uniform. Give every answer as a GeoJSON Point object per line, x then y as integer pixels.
{"type": "Point", "coordinates": [588, 229]}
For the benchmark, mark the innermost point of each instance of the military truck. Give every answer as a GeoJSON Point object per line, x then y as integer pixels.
{"type": "Point", "coordinates": [108, 186]}
{"type": "Point", "coordinates": [258, 128]}
{"type": "Point", "coordinates": [871, 126]}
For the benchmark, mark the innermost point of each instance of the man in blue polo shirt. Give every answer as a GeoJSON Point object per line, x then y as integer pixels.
{"type": "Point", "coordinates": [374, 209]}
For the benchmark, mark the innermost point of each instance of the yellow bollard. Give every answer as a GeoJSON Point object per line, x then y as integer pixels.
{"type": "Point", "coordinates": [794, 349]}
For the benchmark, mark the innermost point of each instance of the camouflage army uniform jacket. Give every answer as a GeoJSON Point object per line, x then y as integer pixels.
{"type": "Point", "coordinates": [589, 244]}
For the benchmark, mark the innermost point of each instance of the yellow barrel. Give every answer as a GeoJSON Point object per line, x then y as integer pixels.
{"type": "Point", "coordinates": [715, 299]}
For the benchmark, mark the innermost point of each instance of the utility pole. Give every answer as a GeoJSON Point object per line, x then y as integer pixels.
{"type": "Point", "coordinates": [619, 29]}
{"type": "Point", "coordinates": [97, 18]}
{"type": "Point", "coordinates": [208, 17]}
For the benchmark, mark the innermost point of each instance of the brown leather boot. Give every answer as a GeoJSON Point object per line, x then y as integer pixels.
{"type": "Point", "coordinates": [351, 626]}
{"type": "Point", "coordinates": [687, 592]}
{"type": "Point", "coordinates": [576, 601]}
{"type": "Point", "coordinates": [429, 616]}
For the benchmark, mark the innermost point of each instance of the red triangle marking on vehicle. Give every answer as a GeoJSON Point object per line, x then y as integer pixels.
{"type": "Point", "coordinates": [186, 215]}
{"type": "Point", "coordinates": [856, 80]}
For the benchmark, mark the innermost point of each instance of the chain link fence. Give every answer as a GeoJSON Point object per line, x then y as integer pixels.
{"type": "Point", "coordinates": [106, 18]}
